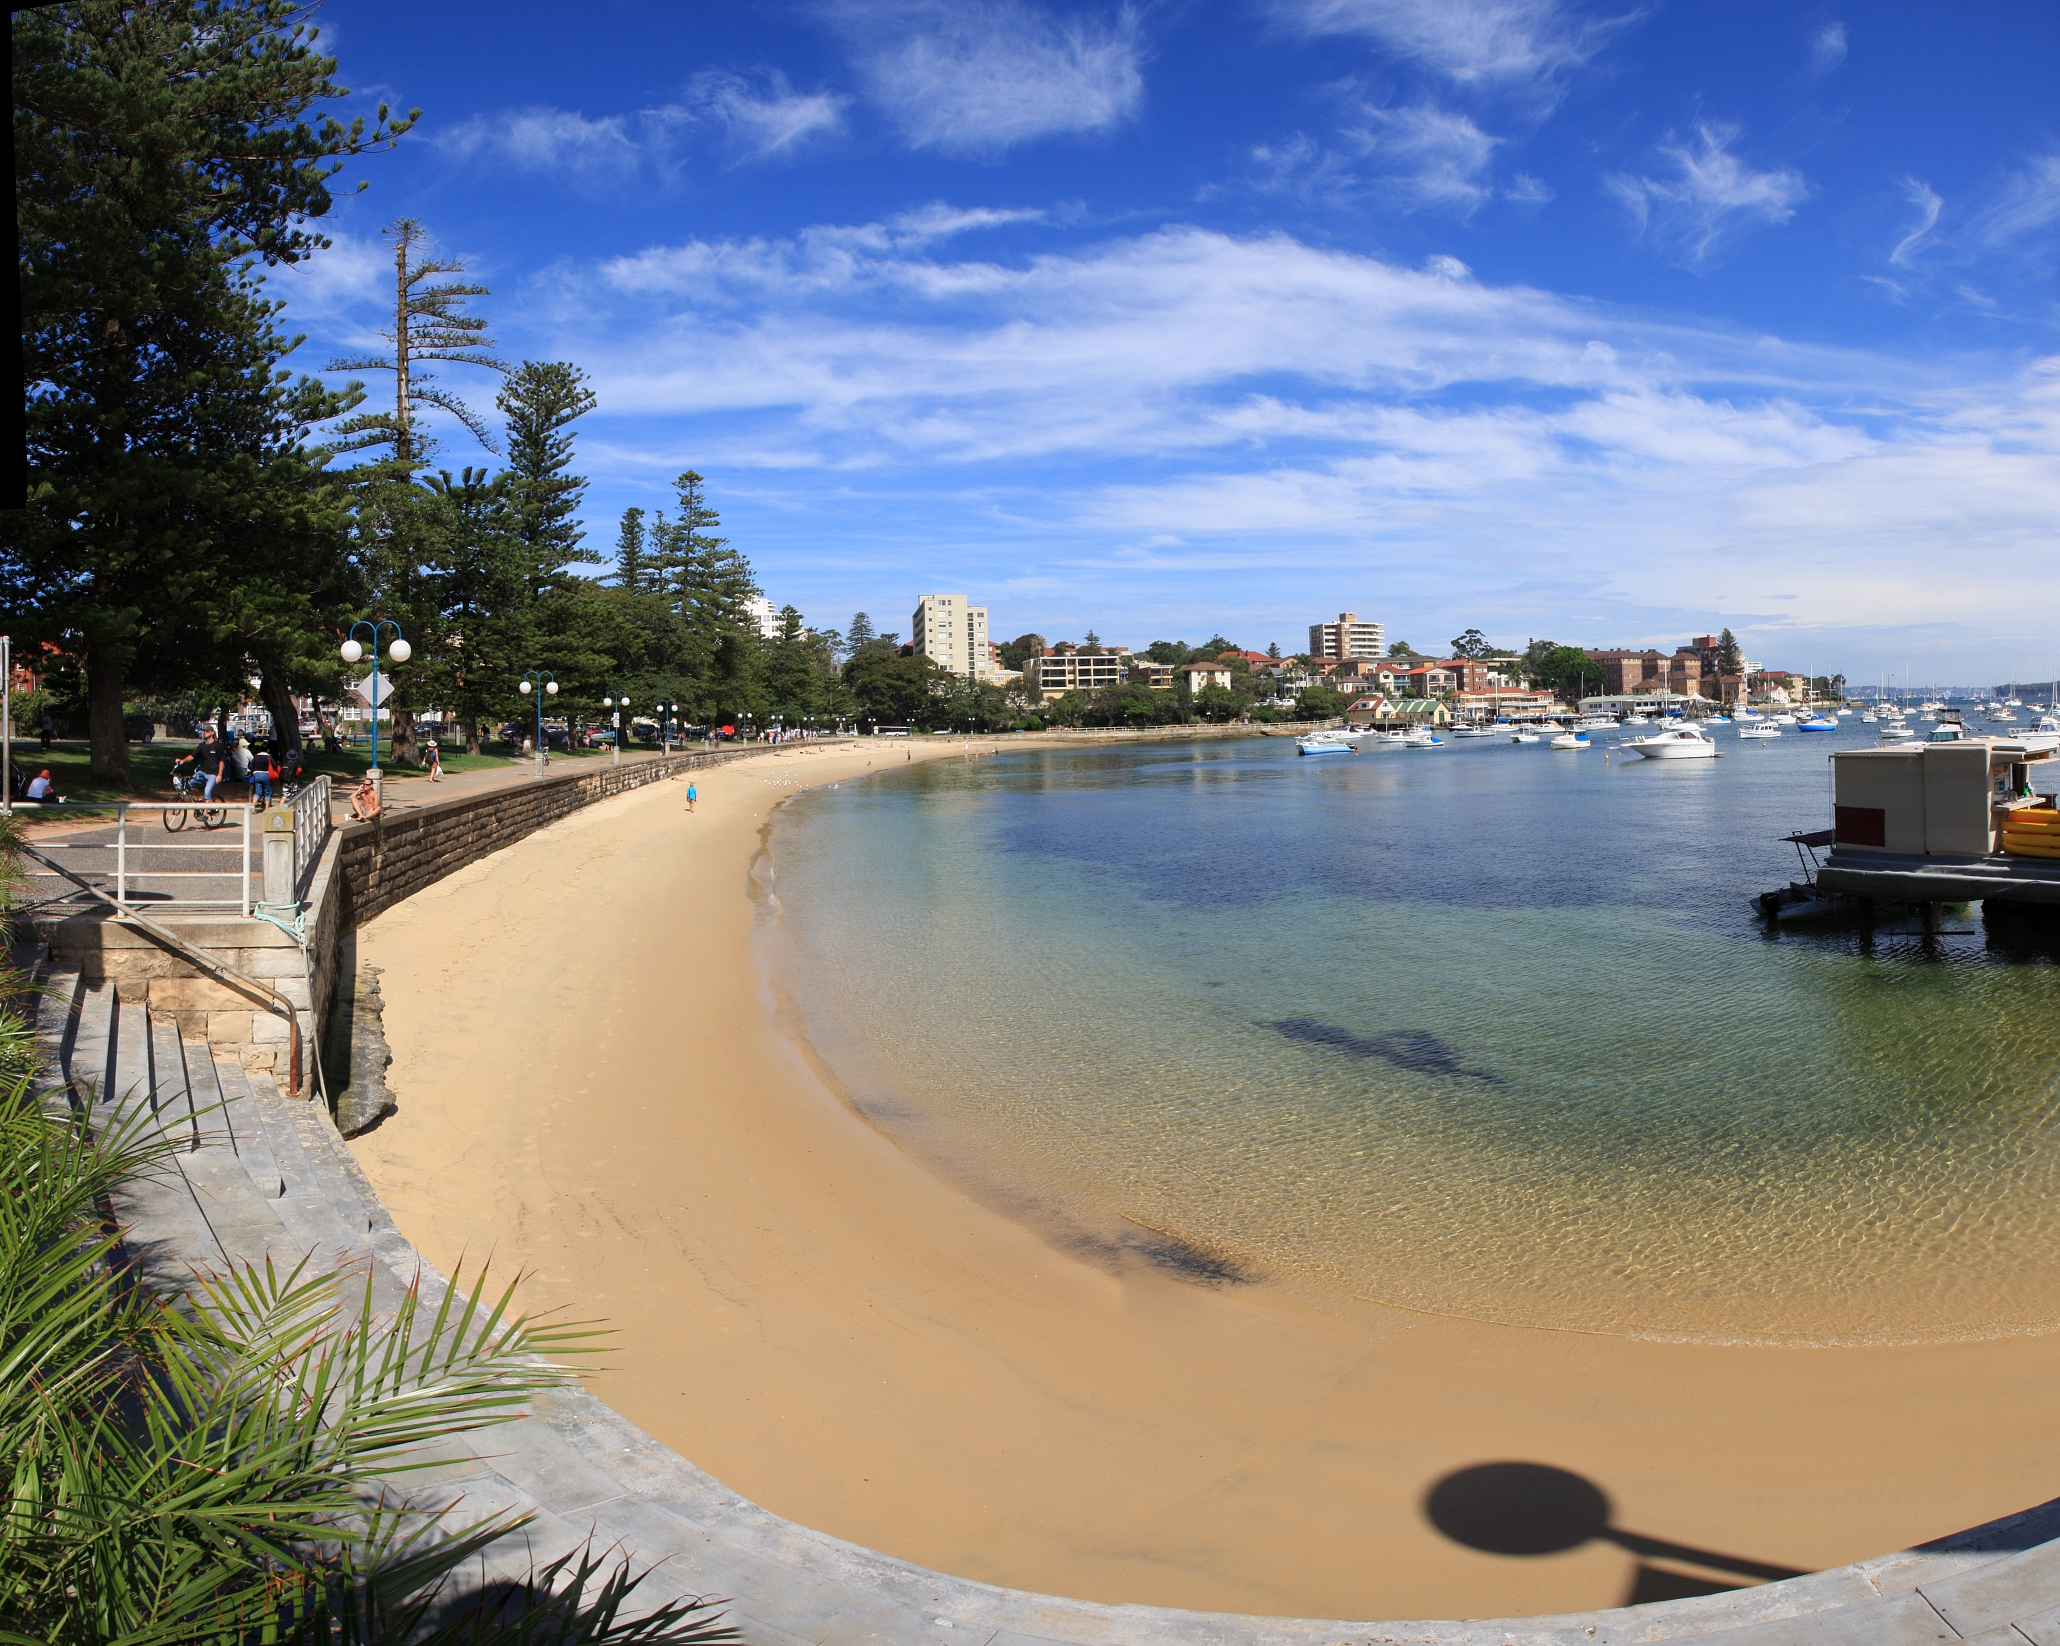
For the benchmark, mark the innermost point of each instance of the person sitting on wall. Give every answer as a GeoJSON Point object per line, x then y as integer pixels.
{"type": "Point", "coordinates": [364, 801]}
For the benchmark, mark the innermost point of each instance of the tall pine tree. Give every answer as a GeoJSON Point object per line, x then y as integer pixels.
{"type": "Point", "coordinates": [163, 154]}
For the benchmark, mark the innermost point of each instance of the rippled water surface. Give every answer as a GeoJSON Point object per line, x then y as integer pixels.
{"type": "Point", "coordinates": [1487, 1031]}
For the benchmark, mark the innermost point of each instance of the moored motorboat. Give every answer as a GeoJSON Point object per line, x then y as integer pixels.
{"type": "Point", "coordinates": [1572, 740]}
{"type": "Point", "coordinates": [1756, 733]}
{"type": "Point", "coordinates": [1324, 743]}
{"type": "Point", "coordinates": [1818, 723]}
{"type": "Point", "coordinates": [1523, 734]}
{"type": "Point", "coordinates": [1679, 743]}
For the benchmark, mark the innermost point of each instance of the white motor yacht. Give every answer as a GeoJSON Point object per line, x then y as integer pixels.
{"type": "Point", "coordinates": [1746, 716]}
{"type": "Point", "coordinates": [1680, 743]}
{"type": "Point", "coordinates": [1897, 733]}
{"type": "Point", "coordinates": [2043, 737]}
{"type": "Point", "coordinates": [1781, 720]}
{"type": "Point", "coordinates": [1325, 743]}
{"type": "Point", "coordinates": [1572, 740]}
{"type": "Point", "coordinates": [1759, 731]}
{"type": "Point", "coordinates": [1523, 734]}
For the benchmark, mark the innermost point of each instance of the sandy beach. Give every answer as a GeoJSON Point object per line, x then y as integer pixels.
{"type": "Point", "coordinates": [598, 1088]}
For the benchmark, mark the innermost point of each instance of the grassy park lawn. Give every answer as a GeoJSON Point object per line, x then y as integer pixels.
{"type": "Point", "coordinates": [150, 766]}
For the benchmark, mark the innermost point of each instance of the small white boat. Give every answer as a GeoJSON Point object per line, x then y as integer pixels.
{"type": "Point", "coordinates": [1523, 734]}
{"type": "Point", "coordinates": [1323, 743]}
{"type": "Point", "coordinates": [1572, 740]}
{"type": "Point", "coordinates": [1842, 713]}
{"type": "Point", "coordinates": [1897, 733]}
{"type": "Point", "coordinates": [1818, 723]}
{"type": "Point", "coordinates": [1634, 720]}
{"type": "Point", "coordinates": [1718, 720]}
{"type": "Point", "coordinates": [1870, 717]}
{"type": "Point", "coordinates": [1781, 720]}
{"type": "Point", "coordinates": [1473, 731]}
{"type": "Point", "coordinates": [1422, 738]}
{"type": "Point", "coordinates": [1749, 715]}
{"type": "Point", "coordinates": [1759, 731]}
{"type": "Point", "coordinates": [1388, 740]}
{"type": "Point", "coordinates": [2043, 738]}
{"type": "Point", "coordinates": [1594, 723]}
{"type": "Point", "coordinates": [1680, 743]}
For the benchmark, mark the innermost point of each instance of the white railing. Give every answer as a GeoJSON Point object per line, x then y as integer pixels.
{"type": "Point", "coordinates": [310, 828]}
{"type": "Point", "coordinates": [124, 862]}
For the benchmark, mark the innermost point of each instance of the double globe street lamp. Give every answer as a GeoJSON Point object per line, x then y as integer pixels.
{"type": "Point", "coordinates": [399, 651]}
{"type": "Point", "coordinates": [530, 681]}
{"type": "Point", "coordinates": [618, 704]}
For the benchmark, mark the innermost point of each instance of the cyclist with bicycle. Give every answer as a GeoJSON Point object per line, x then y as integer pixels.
{"type": "Point", "coordinates": [210, 758]}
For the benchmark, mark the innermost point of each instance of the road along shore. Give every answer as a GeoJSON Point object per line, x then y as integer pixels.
{"type": "Point", "coordinates": [596, 1088]}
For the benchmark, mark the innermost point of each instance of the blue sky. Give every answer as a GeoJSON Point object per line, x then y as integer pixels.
{"type": "Point", "coordinates": [1607, 324]}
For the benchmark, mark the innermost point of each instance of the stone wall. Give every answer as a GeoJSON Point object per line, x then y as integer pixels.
{"type": "Point", "coordinates": [377, 864]}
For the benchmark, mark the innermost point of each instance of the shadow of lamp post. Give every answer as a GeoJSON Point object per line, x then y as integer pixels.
{"type": "Point", "coordinates": [1535, 1509]}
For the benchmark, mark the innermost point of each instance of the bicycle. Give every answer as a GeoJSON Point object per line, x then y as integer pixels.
{"type": "Point", "coordinates": [186, 785]}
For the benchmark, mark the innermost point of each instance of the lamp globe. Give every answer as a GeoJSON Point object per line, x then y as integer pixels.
{"type": "Point", "coordinates": [352, 651]}
{"type": "Point", "coordinates": [523, 688]}
{"type": "Point", "coordinates": [400, 651]}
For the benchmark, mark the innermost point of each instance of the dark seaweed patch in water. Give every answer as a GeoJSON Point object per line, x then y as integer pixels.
{"type": "Point", "coordinates": [1176, 1254]}
{"type": "Point", "coordinates": [1414, 1049]}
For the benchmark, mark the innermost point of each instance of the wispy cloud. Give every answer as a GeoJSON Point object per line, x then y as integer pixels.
{"type": "Point", "coordinates": [757, 119]}
{"type": "Point", "coordinates": [1710, 196]}
{"type": "Point", "coordinates": [2028, 202]}
{"type": "Point", "coordinates": [770, 118]}
{"type": "Point", "coordinates": [981, 76]}
{"type": "Point", "coordinates": [1928, 204]}
{"type": "Point", "coordinates": [1429, 155]}
{"type": "Point", "coordinates": [1534, 45]}
{"type": "Point", "coordinates": [1827, 47]}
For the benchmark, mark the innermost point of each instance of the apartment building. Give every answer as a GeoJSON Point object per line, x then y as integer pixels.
{"type": "Point", "coordinates": [1347, 637]}
{"type": "Point", "coordinates": [1628, 673]}
{"type": "Point", "coordinates": [1200, 676]}
{"type": "Point", "coordinates": [952, 632]}
{"type": "Point", "coordinates": [1065, 669]}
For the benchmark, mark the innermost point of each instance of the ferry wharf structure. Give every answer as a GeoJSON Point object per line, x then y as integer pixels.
{"type": "Point", "coordinates": [1951, 822]}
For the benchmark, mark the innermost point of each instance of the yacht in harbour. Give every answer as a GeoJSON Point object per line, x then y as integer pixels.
{"type": "Point", "coordinates": [1677, 743]}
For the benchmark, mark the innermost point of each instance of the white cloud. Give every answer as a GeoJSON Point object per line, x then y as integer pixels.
{"type": "Point", "coordinates": [547, 139]}
{"type": "Point", "coordinates": [766, 119]}
{"type": "Point", "coordinates": [981, 76]}
{"type": "Point", "coordinates": [1529, 44]}
{"type": "Point", "coordinates": [1827, 47]}
{"type": "Point", "coordinates": [1928, 204]}
{"type": "Point", "coordinates": [2028, 202]}
{"type": "Point", "coordinates": [775, 121]}
{"type": "Point", "coordinates": [1429, 156]}
{"type": "Point", "coordinates": [1710, 197]}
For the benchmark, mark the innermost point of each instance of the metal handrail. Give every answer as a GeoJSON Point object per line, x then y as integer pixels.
{"type": "Point", "coordinates": [200, 957]}
{"type": "Point", "coordinates": [123, 845]}
{"type": "Point", "coordinates": [310, 827]}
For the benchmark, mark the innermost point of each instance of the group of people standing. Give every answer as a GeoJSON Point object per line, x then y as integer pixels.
{"type": "Point", "coordinates": [223, 757]}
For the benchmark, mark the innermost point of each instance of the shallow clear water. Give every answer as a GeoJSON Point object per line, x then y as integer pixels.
{"type": "Point", "coordinates": [1487, 1031]}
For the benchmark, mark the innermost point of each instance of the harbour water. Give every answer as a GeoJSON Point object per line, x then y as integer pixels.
{"type": "Point", "coordinates": [1485, 1031]}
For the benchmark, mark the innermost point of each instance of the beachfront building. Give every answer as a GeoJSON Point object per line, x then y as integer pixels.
{"type": "Point", "coordinates": [1628, 673]}
{"type": "Point", "coordinates": [1201, 676]}
{"type": "Point", "coordinates": [952, 633]}
{"type": "Point", "coordinates": [1063, 669]}
{"type": "Point", "coordinates": [1158, 676]}
{"type": "Point", "coordinates": [765, 614]}
{"type": "Point", "coordinates": [1503, 703]}
{"type": "Point", "coordinates": [1347, 637]}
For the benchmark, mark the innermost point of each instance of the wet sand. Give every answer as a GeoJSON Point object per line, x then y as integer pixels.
{"type": "Point", "coordinates": [595, 1088]}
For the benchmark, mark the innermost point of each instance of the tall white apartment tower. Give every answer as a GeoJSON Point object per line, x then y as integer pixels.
{"type": "Point", "coordinates": [1347, 637]}
{"type": "Point", "coordinates": [951, 633]}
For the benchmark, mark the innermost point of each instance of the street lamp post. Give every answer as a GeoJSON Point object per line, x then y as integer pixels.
{"type": "Point", "coordinates": [400, 651]}
{"type": "Point", "coordinates": [549, 682]}
{"type": "Point", "coordinates": [618, 704]}
{"type": "Point", "coordinates": [666, 711]}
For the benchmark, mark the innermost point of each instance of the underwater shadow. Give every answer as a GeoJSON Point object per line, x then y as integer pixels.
{"type": "Point", "coordinates": [1535, 1509]}
{"type": "Point", "coordinates": [1417, 1050]}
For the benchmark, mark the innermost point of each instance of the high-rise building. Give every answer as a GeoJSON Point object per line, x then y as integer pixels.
{"type": "Point", "coordinates": [951, 633]}
{"type": "Point", "coordinates": [1347, 637]}
{"type": "Point", "coordinates": [765, 614]}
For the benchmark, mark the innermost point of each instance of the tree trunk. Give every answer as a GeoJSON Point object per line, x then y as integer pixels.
{"type": "Point", "coordinates": [276, 690]}
{"type": "Point", "coordinates": [472, 733]}
{"type": "Point", "coordinates": [106, 667]}
{"type": "Point", "coordinates": [401, 734]}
